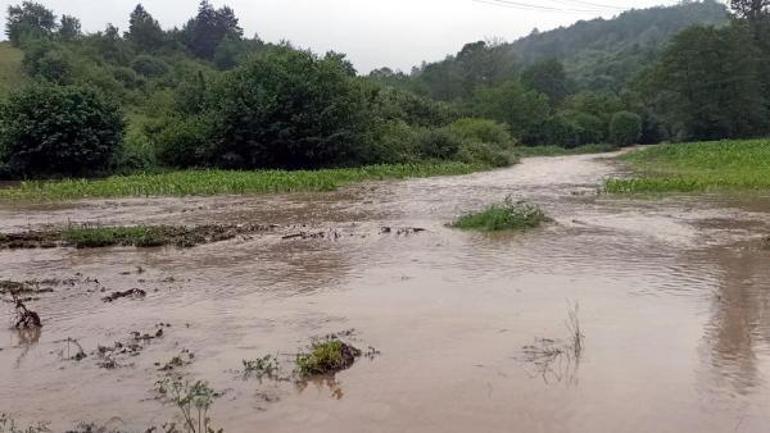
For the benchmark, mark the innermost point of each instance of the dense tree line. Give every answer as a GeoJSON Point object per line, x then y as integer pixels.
{"type": "Point", "coordinates": [204, 95]}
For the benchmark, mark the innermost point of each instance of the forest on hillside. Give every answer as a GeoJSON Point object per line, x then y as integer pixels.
{"type": "Point", "coordinates": [207, 96]}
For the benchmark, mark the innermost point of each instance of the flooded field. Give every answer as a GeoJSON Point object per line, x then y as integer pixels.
{"type": "Point", "coordinates": [673, 295]}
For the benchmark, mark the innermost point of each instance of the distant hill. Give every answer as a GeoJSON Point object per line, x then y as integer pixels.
{"type": "Point", "coordinates": [11, 75]}
{"type": "Point", "coordinates": [605, 52]}
{"type": "Point", "coordinates": [597, 54]}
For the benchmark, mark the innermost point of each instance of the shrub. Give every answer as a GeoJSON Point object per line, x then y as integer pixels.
{"type": "Point", "coordinates": [291, 109]}
{"type": "Point", "coordinates": [137, 152]}
{"type": "Point", "coordinates": [149, 66]}
{"type": "Point", "coordinates": [55, 130]}
{"type": "Point", "coordinates": [398, 142]}
{"type": "Point", "coordinates": [509, 215]}
{"type": "Point", "coordinates": [625, 128]}
{"type": "Point", "coordinates": [186, 142]}
{"type": "Point", "coordinates": [49, 61]}
{"type": "Point", "coordinates": [484, 131]}
{"type": "Point", "coordinates": [127, 77]}
{"type": "Point", "coordinates": [483, 141]}
{"type": "Point", "coordinates": [439, 144]}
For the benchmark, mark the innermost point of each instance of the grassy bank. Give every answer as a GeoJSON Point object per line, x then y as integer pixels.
{"type": "Point", "coordinates": [697, 167]}
{"type": "Point", "coordinates": [529, 151]}
{"type": "Point", "coordinates": [219, 182]}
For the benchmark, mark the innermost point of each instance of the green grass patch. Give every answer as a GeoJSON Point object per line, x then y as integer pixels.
{"type": "Point", "coordinates": [326, 357]}
{"type": "Point", "coordinates": [529, 151]}
{"type": "Point", "coordinates": [508, 215]}
{"type": "Point", "coordinates": [697, 167]}
{"type": "Point", "coordinates": [136, 236]}
{"type": "Point", "coordinates": [219, 182]}
{"type": "Point", "coordinates": [11, 73]}
{"type": "Point", "coordinates": [97, 237]}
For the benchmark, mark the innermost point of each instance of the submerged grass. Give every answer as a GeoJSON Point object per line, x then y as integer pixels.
{"type": "Point", "coordinates": [219, 182]}
{"type": "Point", "coordinates": [88, 236]}
{"type": "Point", "coordinates": [697, 167]}
{"type": "Point", "coordinates": [508, 215]}
{"type": "Point", "coordinates": [97, 237]}
{"type": "Point", "coordinates": [326, 357]}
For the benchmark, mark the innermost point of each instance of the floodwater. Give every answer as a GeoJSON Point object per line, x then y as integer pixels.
{"type": "Point", "coordinates": [673, 294]}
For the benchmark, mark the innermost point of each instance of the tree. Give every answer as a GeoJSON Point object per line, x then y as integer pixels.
{"type": "Point", "coordinates": [58, 130]}
{"type": "Point", "coordinates": [751, 10]}
{"type": "Point", "coordinates": [549, 78]}
{"type": "Point", "coordinates": [205, 32]}
{"type": "Point", "coordinates": [290, 109]}
{"type": "Point", "coordinates": [625, 128]}
{"type": "Point", "coordinates": [144, 30]}
{"type": "Point", "coordinates": [69, 29]}
{"type": "Point", "coordinates": [30, 20]}
{"type": "Point", "coordinates": [711, 82]}
{"type": "Point", "coordinates": [511, 103]}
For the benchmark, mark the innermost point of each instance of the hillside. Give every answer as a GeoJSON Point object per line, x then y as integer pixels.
{"type": "Point", "coordinates": [11, 75]}
{"type": "Point", "coordinates": [597, 54]}
{"type": "Point", "coordinates": [606, 52]}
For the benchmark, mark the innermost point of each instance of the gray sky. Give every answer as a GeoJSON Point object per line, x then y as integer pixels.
{"type": "Point", "coordinates": [395, 33]}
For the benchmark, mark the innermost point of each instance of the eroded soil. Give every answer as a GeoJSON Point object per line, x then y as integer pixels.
{"type": "Point", "coordinates": [472, 328]}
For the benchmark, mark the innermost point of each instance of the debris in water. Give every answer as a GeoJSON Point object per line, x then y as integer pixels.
{"type": "Point", "coordinates": [332, 234]}
{"type": "Point", "coordinates": [133, 293]}
{"type": "Point", "coordinates": [79, 354]}
{"type": "Point", "coordinates": [184, 358]}
{"type": "Point", "coordinates": [109, 355]}
{"type": "Point", "coordinates": [402, 230]}
{"type": "Point", "coordinates": [25, 318]}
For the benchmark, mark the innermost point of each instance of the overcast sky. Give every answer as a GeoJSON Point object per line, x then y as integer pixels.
{"type": "Point", "coordinates": [374, 33]}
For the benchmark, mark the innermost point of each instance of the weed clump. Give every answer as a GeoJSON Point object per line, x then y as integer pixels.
{"type": "Point", "coordinates": [266, 366]}
{"type": "Point", "coordinates": [326, 358]}
{"type": "Point", "coordinates": [193, 399]}
{"type": "Point", "coordinates": [508, 215]}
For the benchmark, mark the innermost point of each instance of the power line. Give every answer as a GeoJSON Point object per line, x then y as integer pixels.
{"type": "Point", "coordinates": [592, 4]}
{"type": "Point", "coordinates": [527, 6]}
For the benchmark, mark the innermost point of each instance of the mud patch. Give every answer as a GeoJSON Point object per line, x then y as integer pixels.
{"type": "Point", "coordinates": [135, 236]}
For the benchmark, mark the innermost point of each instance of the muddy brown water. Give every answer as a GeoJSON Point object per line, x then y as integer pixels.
{"type": "Point", "coordinates": [674, 298]}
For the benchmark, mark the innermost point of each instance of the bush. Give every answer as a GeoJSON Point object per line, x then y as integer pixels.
{"type": "Point", "coordinates": [149, 66]}
{"type": "Point", "coordinates": [484, 141]}
{"type": "Point", "coordinates": [186, 142]}
{"type": "Point", "coordinates": [49, 61]}
{"type": "Point", "coordinates": [625, 128]}
{"type": "Point", "coordinates": [137, 152]}
{"type": "Point", "coordinates": [291, 109]}
{"type": "Point", "coordinates": [127, 77]}
{"type": "Point", "coordinates": [58, 130]}
{"type": "Point", "coordinates": [484, 131]}
{"type": "Point", "coordinates": [439, 144]}
{"type": "Point", "coordinates": [508, 215]}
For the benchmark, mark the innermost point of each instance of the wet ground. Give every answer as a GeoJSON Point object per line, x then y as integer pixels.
{"type": "Point", "coordinates": [673, 293]}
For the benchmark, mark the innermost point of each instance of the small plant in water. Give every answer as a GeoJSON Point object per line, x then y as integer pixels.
{"type": "Point", "coordinates": [326, 357]}
{"type": "Point", "coordinates": [508, 215]}
{"type": "Point", "coordinates": [266, 366]}
{"type": "Point", "coordinates": [193, 400]}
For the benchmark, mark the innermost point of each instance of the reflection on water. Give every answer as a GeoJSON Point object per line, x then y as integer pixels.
{"type": "Point", "coordinates": [673, 309]}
